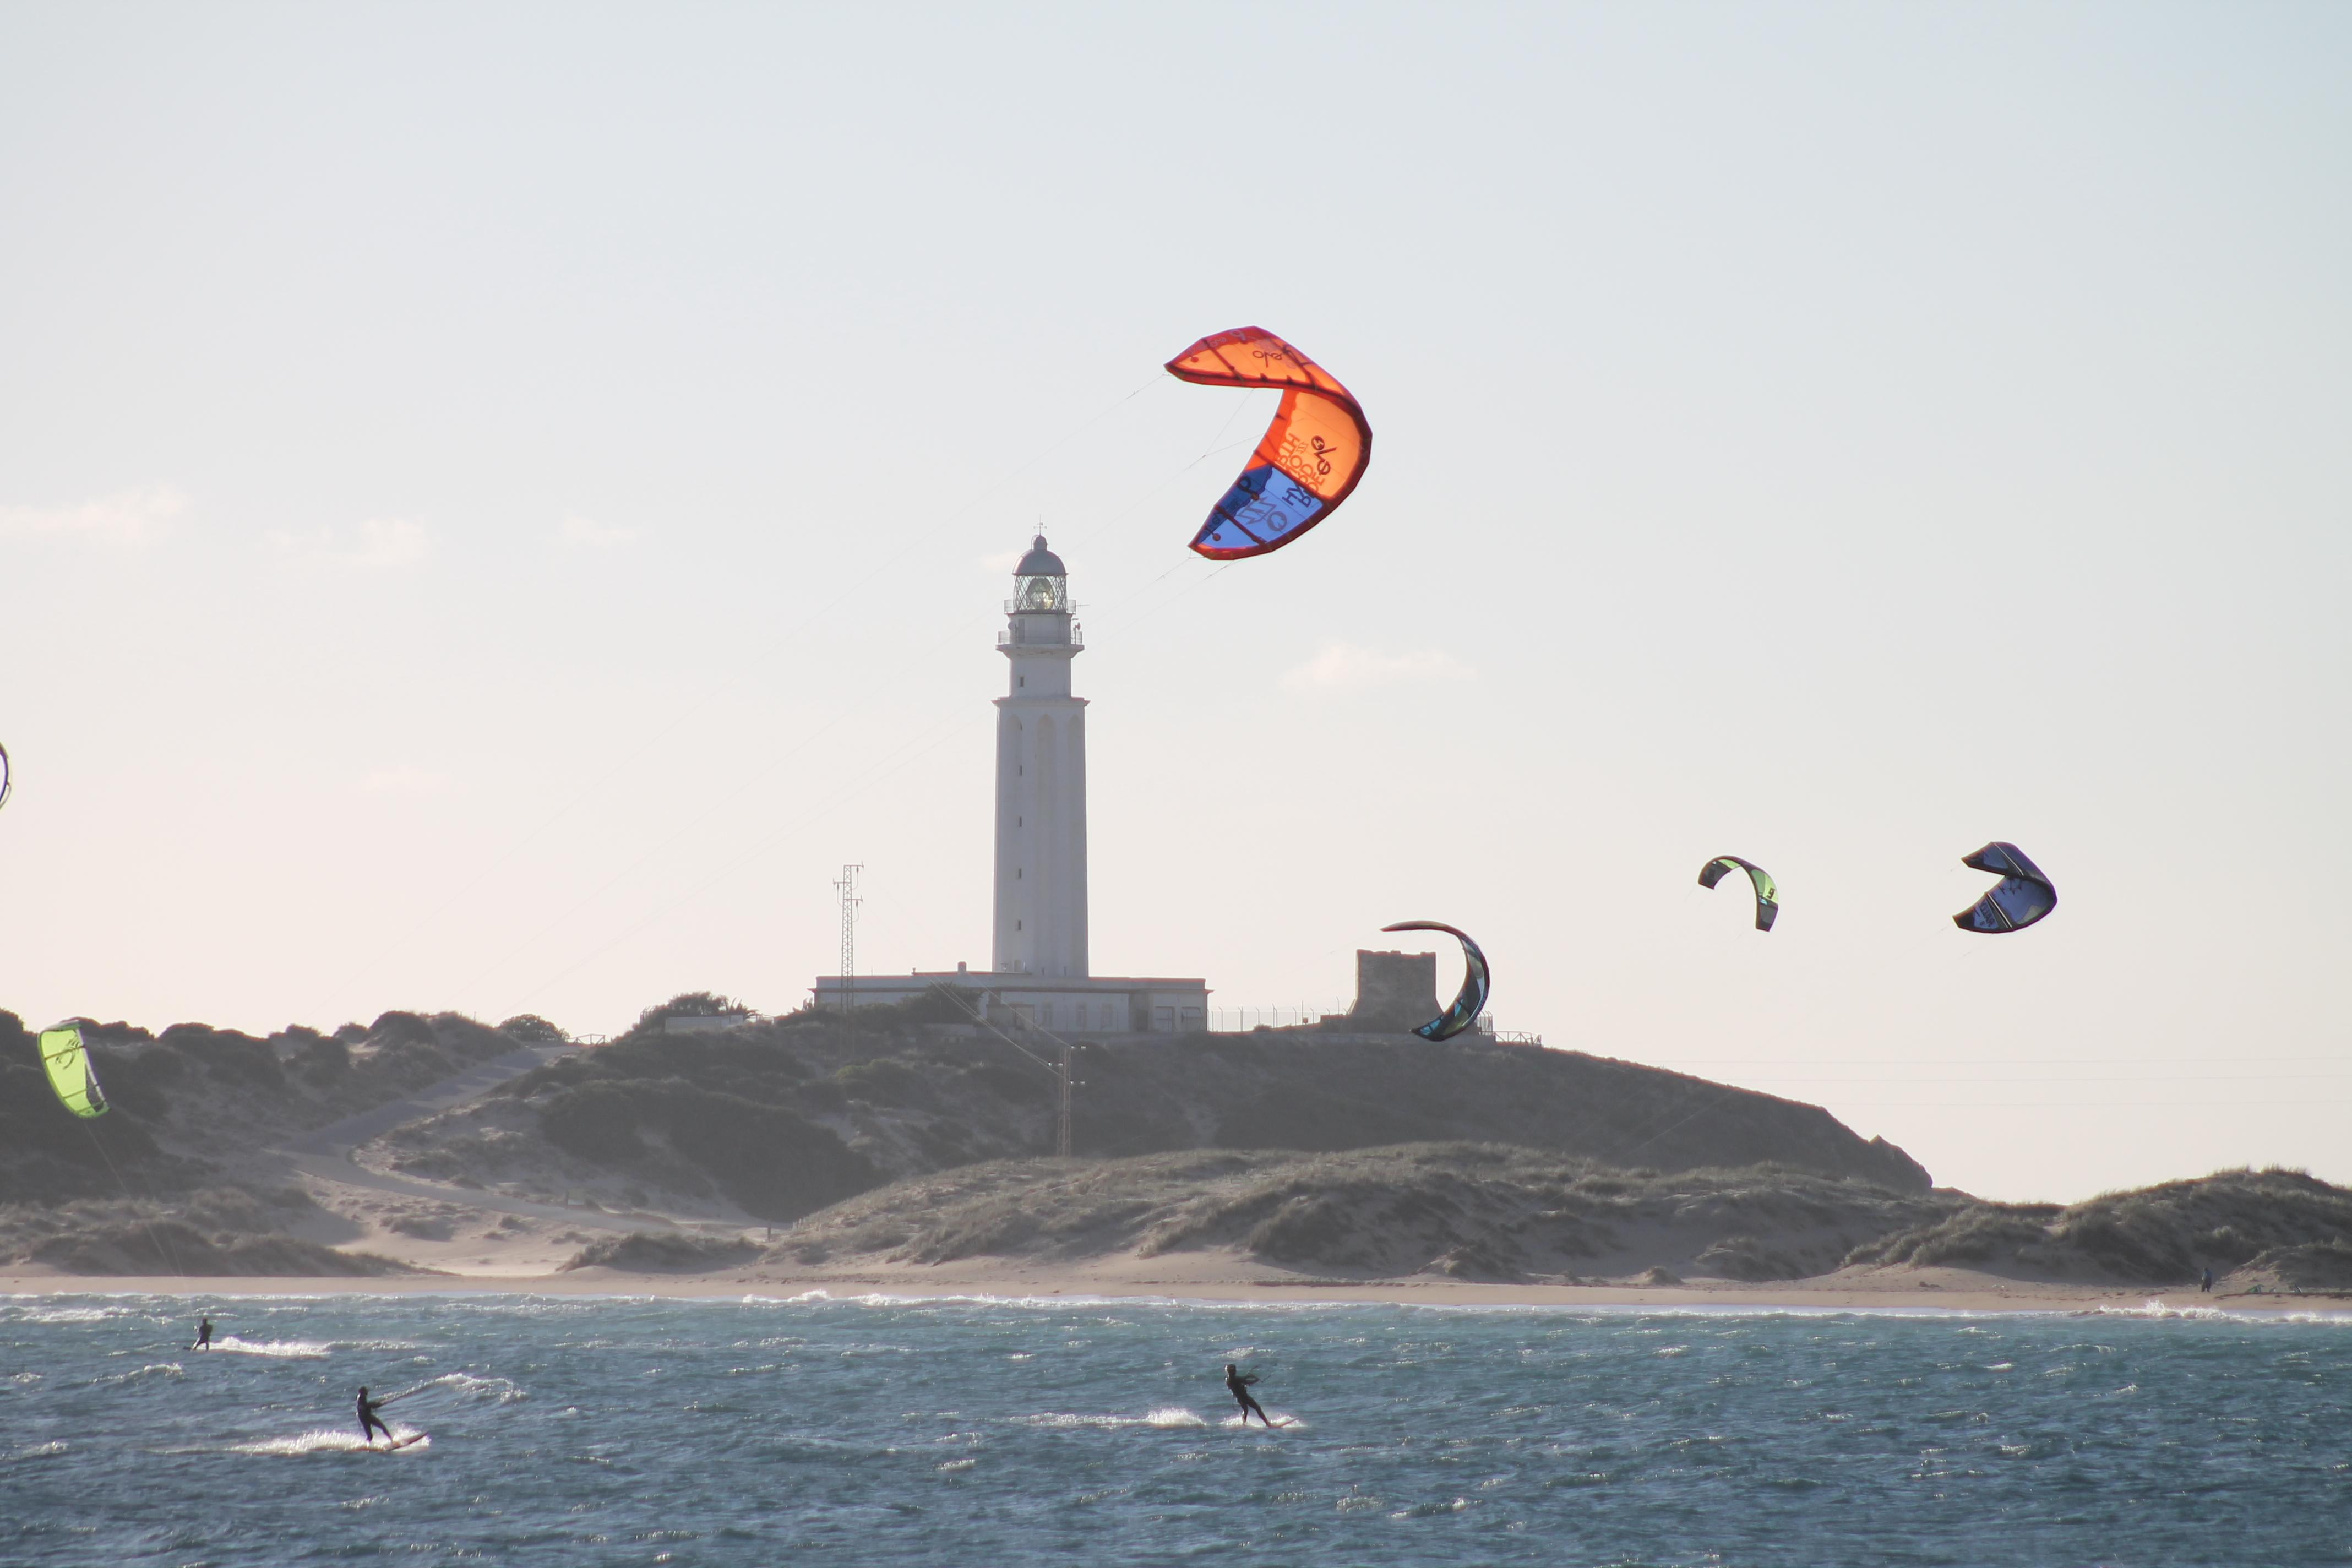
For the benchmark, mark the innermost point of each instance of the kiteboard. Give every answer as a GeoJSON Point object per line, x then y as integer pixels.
{"type": "Point", "coordinates": [394, 1447]}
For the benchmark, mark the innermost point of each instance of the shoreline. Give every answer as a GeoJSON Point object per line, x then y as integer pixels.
{"type": "Point", "coordinates": [1973, 1296]}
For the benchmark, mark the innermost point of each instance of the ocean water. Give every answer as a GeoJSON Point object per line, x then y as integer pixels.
{"type": "Point", "coordinates": [562, 1430]}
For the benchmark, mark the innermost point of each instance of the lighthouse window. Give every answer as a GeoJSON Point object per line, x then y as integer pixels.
{"type": "Point", "coordinates": [1024, 680]}
{"type": "Point", "coordinates": [1017, 925]}
{"type": "Point", "coordinates": [1016, 873]}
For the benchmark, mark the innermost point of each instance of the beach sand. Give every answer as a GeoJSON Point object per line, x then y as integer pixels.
{"type": "Point", "coordinates": [1208, 1277]}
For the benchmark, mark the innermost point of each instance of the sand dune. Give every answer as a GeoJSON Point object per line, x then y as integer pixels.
{"type": "Point", "coordinates": [900, 1153]}
{"type": "Point", "coordinates": [1460, 1211]}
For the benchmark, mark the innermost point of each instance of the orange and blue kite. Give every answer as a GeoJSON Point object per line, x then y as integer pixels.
{"type": "Point", "coordinates": [1310, 459]}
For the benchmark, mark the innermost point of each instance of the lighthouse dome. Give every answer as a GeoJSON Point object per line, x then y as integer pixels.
{"type": "Point", "coordinates": [1040, 561]}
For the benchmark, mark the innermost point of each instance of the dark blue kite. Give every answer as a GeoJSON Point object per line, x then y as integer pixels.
{"type": "Point", "coordinates": [1477, 980]}
{"type": "Point", "coordinates": [2022, 896]}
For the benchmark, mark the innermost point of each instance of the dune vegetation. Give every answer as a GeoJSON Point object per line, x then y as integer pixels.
{"type": "Point", "coordinates": [180, 1174]}
{"type": "Point", "coordinates": [2282, 1225]}
{"type": "Point", "coordinates": [780, 1118]}
{"type": "Point", "coordinates": [211, 1231]}
{"type": "Point", "coordinates": [1471, 1211]}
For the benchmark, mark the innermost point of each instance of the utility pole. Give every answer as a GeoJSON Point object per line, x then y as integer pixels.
{"type": "Point", "coordinates": [1061, 1123]}
{"type": "Point", "coordinates": [848, 888]}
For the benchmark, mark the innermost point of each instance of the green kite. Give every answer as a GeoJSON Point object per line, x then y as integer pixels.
{"type": "Point", "coordinates": [71, 1073]}
{"type": "Point", "coordinates": [1768, 896]}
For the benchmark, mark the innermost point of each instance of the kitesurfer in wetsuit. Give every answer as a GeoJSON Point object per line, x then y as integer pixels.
{"type": "Point", "coordinates": [368, 1419]}
{"type": "Point", "coordinates": [204, 1336]}
{"type": "Point", "coordinates": [1239, 1381]}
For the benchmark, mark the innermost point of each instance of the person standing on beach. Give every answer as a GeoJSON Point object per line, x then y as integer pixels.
{"type": "Point", "coordinates": [2205, 1287]}
{"type": "Point", "coordinates": [368, 1419]}
{"type": "Point", "coordinates": [1239, 1381]}
{"type": "Point", "coordinates": [203, 1336]}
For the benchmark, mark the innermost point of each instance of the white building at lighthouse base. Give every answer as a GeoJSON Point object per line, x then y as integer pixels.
{"type": "Point", "coordinates": [1099, 1004]}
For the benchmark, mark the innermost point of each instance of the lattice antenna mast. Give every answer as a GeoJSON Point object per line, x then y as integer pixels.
{"type": "Point", "coordinates": [847, 888]}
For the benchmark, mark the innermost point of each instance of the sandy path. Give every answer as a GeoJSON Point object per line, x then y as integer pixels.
{"type": "Point", "coordinates": [343, 1173]}
{"type": "Point", "coordinates": [326, 1154]}
{"type": "Point", "coordinates": [340, 1137]}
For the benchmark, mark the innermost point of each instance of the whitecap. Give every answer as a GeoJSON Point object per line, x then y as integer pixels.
{"type": "Point", "coordinates": [1428, 1509]}
{"type": "Point", "coordinates": [1164, 1416]}
{"type": "Point", "coordinates": [498, 1390]}
{"type": "Point", "coordinates": [291, 1350]}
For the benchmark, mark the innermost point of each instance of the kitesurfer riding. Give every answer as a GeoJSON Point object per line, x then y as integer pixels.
{"type": "Point", "coordinates": [1239, 1381]}
{"type": "Point", "coordinates": [368, 1419]}
{"type": "Point", "coordinates": [203, 1336]}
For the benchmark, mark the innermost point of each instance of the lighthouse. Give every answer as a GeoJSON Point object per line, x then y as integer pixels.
{"type": "Point", "coordinates": [1037, 977]}
{"type": "Point", "coordinates": [1041, 779]}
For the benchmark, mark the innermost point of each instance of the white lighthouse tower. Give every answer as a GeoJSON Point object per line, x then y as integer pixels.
{"type": "Point", "coordinates": [1041, 780]}
{"type": "Point", "coordinates": [1037, 974]}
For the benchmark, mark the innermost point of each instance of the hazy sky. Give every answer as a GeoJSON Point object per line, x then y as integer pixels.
{"type": "Point", "coordinates": [497, 503]}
